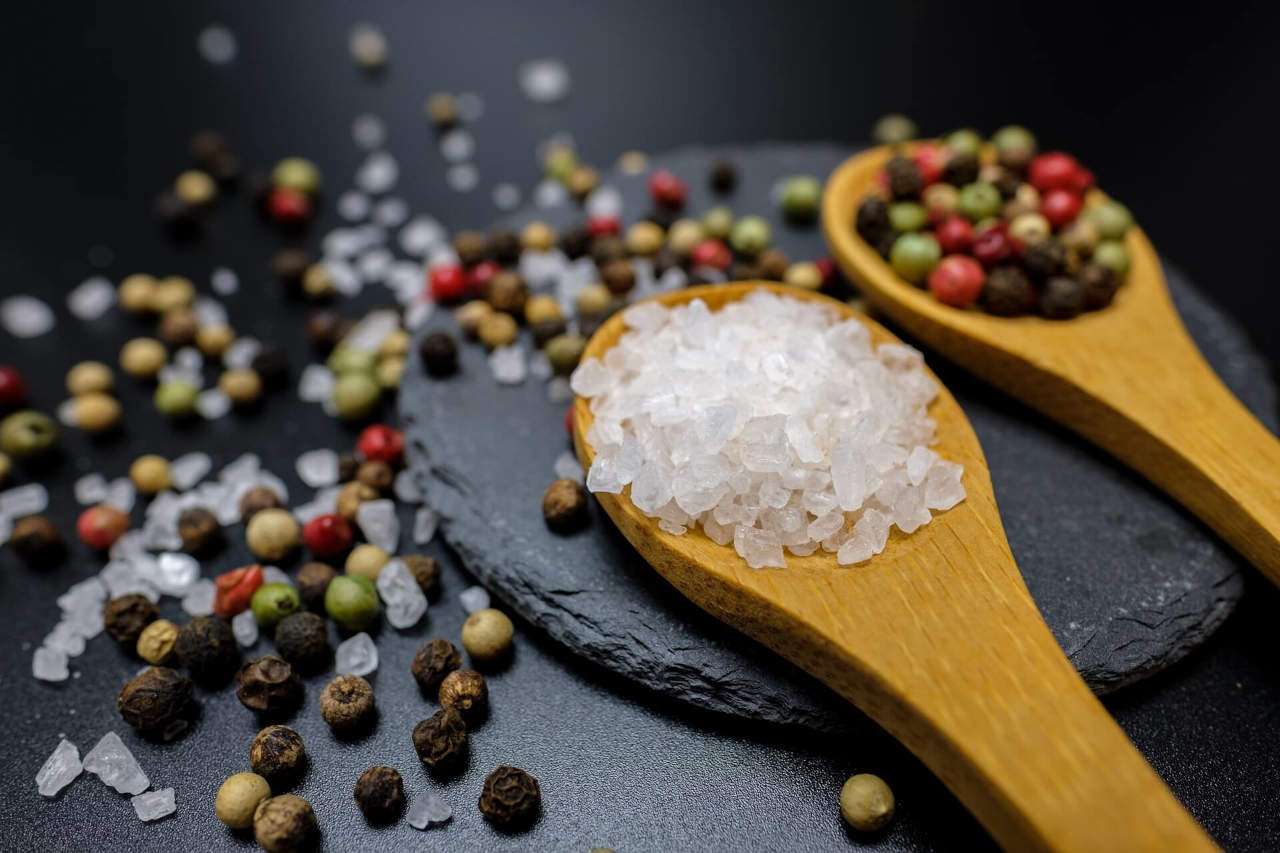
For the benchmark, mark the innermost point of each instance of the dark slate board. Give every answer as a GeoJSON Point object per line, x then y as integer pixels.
{"type": "Point", "coordinates": [1128, 581]}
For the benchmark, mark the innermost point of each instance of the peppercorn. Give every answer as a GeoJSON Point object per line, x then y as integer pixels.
{"type": "Point", "coordinates": [155, 643]}
{"type": "Point", "coordinates": [150, 474]}
{"type": "Point", "coordinates": [511, 798]}
{"type": "Point", "coordinates": [872, 221]}
{"type": "Point", "coordinates": [961, 169]}
{"type": "Point", "coordinates": [213, 340]}
{"type": "Point", "coordinates": [173, 292]}
{"type": "Point", "coordinates": [234, 589]}
{"type": "Point", "coordinates": [957, 280]}
{"type": "Point", "coordinates": [425, 570]}
{"type": "Point", "coordinates": [376, 475]}
{"type": "Point", "coordinates": [772, 264]}
{"type": "Point", "coordinates": [439, 354]}
{"type": "Point", "coordinates": [804, 275]}
{"type": "Point", "coordinates": [1080, 237]}
{"type": "Point", "coordinates": [36, 540]}
{"type": "Point", "coordinates": [435, 660]}
{"type": "Point", "coordinates": [1111, 219]}
{"type": "Point", "coordinates": [1006, 182]}
{"type": "Point", "coordinates": [1062, 298]}
{"type": "Point", "coordinates": [347, 705]}
{"type": "Point", "coordinates": [89, 377]}
{"type": "Point", "coordinates": [269, 686]}
{"type": "Point", "coordinates": [348, 465]}
{"type": "Point", "coordinates": [1044, 259]}
{"type": "Point", "coordinates": [471, 247]}
{"type": "Point", "coordinates": [352, 602]}
{"type": "Point", "coordinates": [303, 640]}
{"type": "Point", "coordinates": [272, 533]}
{"type": "Point", "coordinates": [1114, 256]}
{"type": "Point", "coordinates": [125, 617]}
{"type": "Point", "coordinates": [381, 443]}
{"type": "Point", "coordinates": [272, 602]}
{"type": "Point", "coordinates": [350, 496]}
{"type": "Point", "coordinates": [366, 561]}
{"type": "Point", "coordinates": [1008, 292]}
{"type": "Point", "coordinates": [178, 327]}
{"type": "Point", "coordinates": [442, 110]}
{"type": "Point", "coordinates": [156, 702]}
{"type": "Point", "coordinates": [470, 315]}
{"type": "Point", "coordinates": [284, 824]}
{"type": "Point", "coordinates": [313, 579]}
{"type": "Point", "coordinates": [914, 256]}
{"type": "Point", "coordinates": [1028, 228]}
{"type": "Point", "coordinates": [256, 500]}
{"type": "Point", "coordinates": [207, 648]}
{"type": "Point", "coordinates": [866, 802]}
{"type": "Point", "coordinates": [497, 330]}
{"type": "Point", "coordinates": [908, 216]}
{"type": "Point", "coordinates": [486, 635]}
{"type": "Point", "coordinates": [538, 236]}
{"type": "Point", "coordinates": [317, 283]}
{"type": "Point", "coordinates": [723, 177]}
{"type": "Point", "coordinates": [504, 246]}
{"type": "Point", "coordinates": [324, 329]}
{"type": "Point", "coordinates": [6, 468]}
{"type": "Point", "coordinates": [136, 293]}
{"type": "Point", "coordinates": [345, 360]}
{"type": "Point", "coordinates": [441, 741]}
{"type": "Point", "coordinates": [581, 182]}
{"type": "Point", "coordinates": [447, 282]}
{"type": "Point", "coordinates": [328, 535]}
{"type": "Point", "coordinates": [355, 396]}
{"type": "Point", "coordinates": [272, 366]}
{"type": "Point", "coordinates": [564, 352]}
{"type": "Point", "coordinates": [241, 385]}
{"type": "Point", "coordinates": [607, 249]}
{"type": "Point", "coordinates": [1026, 199]}
{"type": "Point", "coordinates": [277, 754]}
{"type": "Point", "coordinates": [96, 412]}
{"type": "Point", "coordinates": [297, 173]}
{"type": "Point", "coordinates": [238, 799]}
{"type": "Point", "coordinates": [800, 198]}
{"type": "Point", "coordinates": [1100, 285]}
{"type": "Point", "coordinates": [379, 793]}
{"type": "Point", "coordinates": [979, 201]}
{"type": "Point", "coordinates": [558, 160]}
{"type": "Point", "coordinates": [199, 530]}
{"type": "Point", "coordinates": [389, 373]}
{"type": "Point", "coordinates": [893, 129]}
{"type": "Point", "coordinates": [13, 388]}
{"type": "Point", "coordinates": [593, 300]}
{"type": "Point", "coordinates": [465, 691]}
{"type": "Point", "coordinates": [28, 434]}
{"type": "Point", "coordinates": [1015, 146]}
{"type": "Point", "coordinates": [176, 398]}
{"type": "Point", "coordinates": [905, 180]}
{"type": "Point", "coordinates": [564, 506]}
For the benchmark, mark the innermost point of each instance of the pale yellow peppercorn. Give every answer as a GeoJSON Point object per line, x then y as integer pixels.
{"type": "Point", "coordinates": [866, 802]}
{"type": "Point", "coordinates": [351, 495]}
{"type": "Point", "coordinates": [390, 371]}
{"type": "Point", "coordinates": [633, 162]}
{"type": "Point", "coordinates": [143, 357]}
{"type": "Point", "coordinates": [137, 293]}
{"type": "Point", "coordinates": [272, 533]}
{"type": "Point", "coordinates": [150, 474]}
{"type": "Point", "coordinates": [396, 343]}
{"type": "Point", "coordinates": [468, 316]}
{"type": "Point", "coordinates": [804, 275]}
{"type": "Point", "coordinates": [242, 385]}
{"type": "Point", "coordinates": [88, 377]}
{"type": "Point", "coordinates": [317, 283]}
{"type": "Point", "coordinates": [238, 799]}
{"type": "Point", "coordinates": [538, 236]}
{"type": "Point", "coordinates": [486, 635]}
{"type": "Point", "coordinates": [542, 309]}
{"type": "Point", "coordinates": [171, 292]}
{"type": "Point", "coordinates": [156, 642]}
{"type": "Point", "coordinates": [96, 412]}
{"type": "Point", "coordinates": [366, 561]}
{"type": "Point", "coordinates": [593, 300]}
{"type": "Point", "coordinates": [645, 238]}
{"type": "Point", "coordinates": [195, 187]}
{"type": "Point", "coordinates": [718, 222]}
{"type": "Point", "coordinates": [581, 180]}
{"type": "Point", "coordinates": [1029, 227]}
{"type": "Point", "coordinates": [214, 340]}
{"type": "Point", "coordinates": [684, 234]}
{"type": "Point", "coordinates": [497, 330]}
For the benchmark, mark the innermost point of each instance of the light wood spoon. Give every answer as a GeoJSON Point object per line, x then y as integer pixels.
{"type": "Point", "coordinates": [938, 640]}
{"type": "Point", "coordinates": [1128, 377]}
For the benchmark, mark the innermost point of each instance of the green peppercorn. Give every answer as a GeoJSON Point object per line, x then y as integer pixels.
{"type": "Point", "coordinates": [750, 236]}
{"type": "Point", "coordinates": [559, 161]}
{"type": "Point", "coordinates": [345, 359]}
{"type": "Point", "coordinates": [965, 141]}
{"type": "Point", "coordinates": [564, 352]}
{"type": "Point", "coordinates": [355, 396]}
{"type": "Point", "coordinates": [914, 256]}
{"type": "Point", "coordinates": [800, 198]}
{"type": "Point", "coordinates": [6, 468]}
{"type": "Point", "coordinates": [717, 222]}
{"type": "Point", "coordinates": [907, 216]}
{"type": "Point", "coordinates": [941, 199]}
{"type": "Point", "coordinates": [979, 201]}
{"type": "Point", "coordinates": [1015, 146]}
{"type": "Point", "coordinates": [1111, 218]}
{"type": "Point", "coordinates": [272, 602]}
{"type": "Point", "coordinates": [28, 434]}
{"type": "Point", "coordinates": [893, 129]}
{"type": "Point", "coordinates": [1113, 255]}
{"type": "Point", "coordinates": [297, 173]}
{"type": "Point", "coordinates": [352, 602]}
{"type": "Point", "coordinates": [176, 398]}
{"type": "Point", "coordinates": [594, 300]}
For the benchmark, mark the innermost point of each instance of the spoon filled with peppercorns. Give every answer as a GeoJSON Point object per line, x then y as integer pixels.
{"type": "Point", "coordinates": [1013, 264]}
{"type": "Point", "coordinates": [935, 637]}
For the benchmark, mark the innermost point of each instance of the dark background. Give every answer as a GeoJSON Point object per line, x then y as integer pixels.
{"type": "Point", "coordinates": [1174, 113]}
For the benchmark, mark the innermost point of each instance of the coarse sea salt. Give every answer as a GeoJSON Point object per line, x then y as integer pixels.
{"type": "Point", "coordinates": [772, 424]}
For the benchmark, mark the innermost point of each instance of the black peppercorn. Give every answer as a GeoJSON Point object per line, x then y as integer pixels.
{"type": "Point", "coordinates": [884, 245]}
{"type": "Point", "coordinates": [905, 181]}
{"type": "Point", "coordinates": [278, 756]}
{"type": "Point", "coordinates": [439, 353]}
{"type": "Point", "coordinates": [564, 506]}
{"type": "Point", "coordinates": [441, 741]}
{"type": "Point", "coordinates": [425, 570]}
{"type": "Point", "coordinates": [961, 169]}
{"type": "Point", "coordinates": [1062, 299]}
{"type": "Point", "coordinates": [773, 264]}
{"type": "Point", "coordinates": [465, 691]}
{"type": "Point", "coordinates": [508, 293]}
{"type": "Point", "coordinates": [313, 581]}
{"type": "Point", "coordinates": [606, 249]}
{"type": "Point", "coordinates": [273, 366]}
{"type": "Point", "coordinates": [1100, 284]}
{"type": "Point", "coordinates": [511, 798]}
{"type": "Point", "coordinates": [1008, 292]}
{"type": "Point", "coordinates": [665, 259]}
{"type": "Point", "coordinates": [743, 271]}
{"type": "Point", "coordinates": [376, 475]}
{"type": "Point", "coordinates": [619, 277]}
{"type": "Point", "coordinates": [347, 705]}
{"type": "Point", "coordinates": [1044, 259]}
{"type": "Point", "coordinates": [178, 218]}
{"type": "Point", "coordinates": [873, 219]}
{"type": "Point", "coordinates": [37, 541]}
{"type": "Point", "coordinates": [545, 330]}
{"type": "Point", "coordinates": [125, 617]}
{"type": "Point", "coordinates": [199, 530]}
{"type": "Point", "coordinates": [256, 500]}
{"type": "Point", "coordinates": [575, 242]}
{"type": "Point", "coordinates": [724, 176]}
{"type": "Point", "coordinates": [380, 794]}
{"type": "Point", "coordinates": [284, 824]}
{"type": "Point", "coordinates": [289, 266]}
{"type": "Point", "coordinates": [1007, 183]}
{"type": "Point", "coordinates": [663, 217]}
{"type": "Point", "coordinates": [303, 640]}
{"type": "Point", "coordinates": [324, 329]}
{"type": "Point", "coordinates": [269, 686]}
{"type": "Point", "coordinates": [156, 702]}
{"type": "Point", "coordinates": [472, 247]}
{"type": "Point", "coordinates": [504, 247]}
{"type": "Point", "coordinates": [436, 659]}
{"type": "Point", "coordinates": [207, 648]}
{"type": "Point", "coordinates": [348, 465]}
{"type": "Point", "coordinates": [206, 146]}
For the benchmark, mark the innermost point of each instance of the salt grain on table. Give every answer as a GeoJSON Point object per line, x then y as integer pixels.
{"type": "Point", "coordinates": [421, 235]}
{"type": "Point", "coordinates": [274, 574]}
{"type": "Point", "coordinates": [92, 299]}
{"type": "Point", "coordinates": [25, 500]}
{"type": "Point", "coordinates": [212, 404]}
{"type": "Point", "coordinates": [199, 599]}
{"type": "Point", "coordinates": [217, 44]}
{"type": "Point", "coordinates": [473, 598]}
{"type": "Point", "coordinates": [544, 80]}
{"type": "Point", "coordinates": [224, 281]}
{"type": "Point", "coordinates": [245, 628]}
{"type": "Point", "coordinates": [175, 573]}
{"type": "Point", "coordinates": [462, 177]}
{"type": "Point", "coordinates": [567, 467]}
{"type": "Point", "coordinates": [425, 522]}
{"type": "Point", "coordinates": [508, 365]}
{"type": "Point", "coordinates": [369, 132]}
{"type": "Point", "coordinates": [429, 809]}
{"type": "Point", "coordinates": [550, 193]}
{"type": "Point", "coordinates": [506, 196]}
{"type": "Point", "coordinates": [391, 212]}
{"type": "Point", "coordinates": [378, 173]}
{"type": "Point", "coordinates": [60, 769]}
{"type": "Point", "coordinates": [189, 469]}
{"type": "Point", "coordinates": [121, 494]}
{"type": "Point", "coordinates": [558, 390]}
{"type": "Point", "coordinates": [379, 523]}
{"type": "Point", "coordinates": [470, 106]}
{"type": "Point", "coordinates": [315, 384]}
{"type": "Point", "coordinates": [26, 317]}
{"type": "Point", "coordinates": [49, 664]}
{"type": "Point", "coordinates": [154, 805]}
{"type": "Point", "coordinates": [112, 762]}
{"type": "Point", "coordinates": [356, 656]}
{"type": "Point", "coordinates": [241, 353]}
{"type": "Point", "coordinates": [317, 468]}
{"type": "Point", "coordinates": [404, 600]}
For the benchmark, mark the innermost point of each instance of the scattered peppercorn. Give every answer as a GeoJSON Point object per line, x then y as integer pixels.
{"type": "Point", "coordinates": [348, 465]}
{"type": "Point", "coordinates": [905, 181]}
{"type": "Point", "coordinates": [800, 198]}
{"type": "Point", "coordinates": [724, 176]}
{"type": "Point", "coordinates": [1008, 292]}
{"type": "Point", "coordinates": [150, 474]}
{"type": "Point", "coordinates": [511, 798]}
{"type": "Point", "coordinates": [303, 640]}
{"type": "Point", "coordinates": [376, 475]}
{"type": "Point", "coordinates": [379, 793]}
{"type": "Point", "coordinates": [155, 643]}
{"type": "Point", "coordinates": [564, 505]}
{"type": "Point", "coordinates": [313, 579]}
{"type": "Point", "coordinates": [28, 434]}
{"type": "Point", "coordinates": [465, 691]}
{"type": "Point", "coordinates": [272, 533]}
{"type": "Point", "coordinates": [366, 561]}
{"type": "Point", "coordinates": [142, 357]}
{"type": "Point", "coordinates": [214, 339]}
{"type": "Point", "coordinates": [238, 799]}
{"type": "Point", "coordinates": [277, 755]}
{"type": "Point", "coordinates": [89, 377]}
{"type": "Point", "coordinates": [125, 616]}
{"type": "Point", "coordinates": [241, 385]}
{"type": "Point", "coordinates": [350, 496]}
{"type": "Point", "coordinates": [272, 602]}
{"type": "Point", "coordinates": [442, 110]}
{"type": "Point", "coordinates": [6, 468]}
{"type": "Point", "coordinates": [347, 705]}
{"type": "Point", "coordinates": [1044, 259]}
{"type": "Point", "coordinates": [178, 327]}
{"type": "Point", "coordinates": [866, 802]}
{"type": "Point", "coordinates": [1062, 299]}
{"type": "Point", "coordinates": [156, 701]}
{"type": "Point", "coordinates": [176, 398]}
{"type": "Point", "coordinates": [439, 354]}
{"type": "Point", "coordinates": [284, 824]}
{"type": "Point", "coordinates": [352, 602]}
{"type": "Point", "coordinates": [13, 388]}
{"type": "Point", "coordinates": [486, 635]}
{"type": "Point", "coordinates": [207, 648]}
{"type": "Point", "coordinates": [327, 535]}
{"type": "Point", "coordinates": [199, 530]}
{"type": "Point", "coordinates": [1100, 284]}
{"type": "Point", "coordinates": [96, 412]}
{"type": "Point", "coordinates": [269, 686]}
{"type": "Point", "coordinates": [435, 660]}
{"type": "Point", "coordinates": [441, 741]}
{"type": "Point", "coordinates": [136, 293]}
{"type": "Point", "coordinates": [497, 330]}
{"type": "Point", "coordinates": [36, 540]}
{"type": "Point", "coordinates": [234, 590]}
{"type": "Point", "coordinates": [257, 499]}
{"type": "Point", "coordinates": [355, 396]}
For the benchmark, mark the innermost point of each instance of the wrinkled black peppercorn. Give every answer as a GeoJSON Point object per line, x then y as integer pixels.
{"type": "Point", "coordinates": [619, 277]}
{"type": "Point", "coordinates": [547, 329]}
{"type": "Point", "coordinates": [313, 581]}
{"type": "Point", "coordinates": [873, 219]}
{"type": "Point", "coordinates": [607, 248]}
{"type": "Point", "coordinates": [436, 659]}
{"type": "Point", "coordinates": [272, 365]}
{"type": "Point", "coordinates": [207, 648]}
{"type": "Point", "coordinates": [284, 824]}
{"type": "Point", "coordinates": [465, 691]}
{"type": "Point", "coordinates": [199, 530]}
{"type": "Point", "coordinates": [1007, 183]}
{"type": "Point", "coordinates": [125, 617]}
{"type": "Point", "coordinates": [303, 640]}
{"type": "Point", "coordinates": [347, 705]}
{"type": "Point", "coordinates": [277, 755]}
{"type": "Point", "coordinates": [511, 797]}
{"type": "Point", "coordinates": [724, 176]}
{"type": "Point", "coordinates": [905, 181]}
{"type": "Point", "coordinates": [269, 686]}
{"type": "Point", "coordinates": [441, 741]}
{"type": "Point", "coordinates": [564, 505]}
{"type": "Point", "coordinates": [505, 247]}
{"type": "Point", "coordinates": [575, 242]}
{"type": "Point", "coordinates": [380, 794]}
{"type": "Point", "coordinates": [1100, 284]}
{"type": "Point", "coordinates": [773, 264]}
{"type": "Point", "coordinates": [425, 570]}
{"type": "Point", "coordinates": [1062, 299]}
{"type": "Point", "coordinates": [961, 169]}
{"type": "Point", "coordinates": [1044, 259]}
{"type": "Point", "coordinates": [256, 500]}
{"type": "Point", "coordinates": [1008, 292]}
{"type": "Point", "coordinates": [37, 541]}
{"type": "Point", "coordinates": [289, 266]}
{"type": "Point", "coordinates": [156, 702]}
{"type": "Point", "coordinates": [439, 353]}
{"type": "Point", "coordinates": [324, 329]}
{"type": "Point", "coordinates": [665, 259]}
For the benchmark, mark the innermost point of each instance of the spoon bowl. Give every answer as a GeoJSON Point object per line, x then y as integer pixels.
{"type": "Point", "coordinates": [1127, 377]}
{"type": "Point", "coordinates": [938, 640]}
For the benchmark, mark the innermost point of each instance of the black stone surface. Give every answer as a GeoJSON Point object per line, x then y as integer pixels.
{"type": "Point", "coordinates": [1128, 581]}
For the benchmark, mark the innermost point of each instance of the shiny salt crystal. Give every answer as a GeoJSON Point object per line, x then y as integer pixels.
{"type": "Point", "coordinates": [212, 404]}
{"type": "Point", "coordinates": [429, 809]}
{"type": "Point", "coordinates": [189, 469]}
{"type": "Point", "coordinates": [25, 500]}
{"type": "Point", "coordinates": [245, 628]}
{"type": "Point", "coordinates": [425, 522]}
{"type": "Point", "coordinates": [92, 299]}
{"type": "Point", "coordinates": [379, 523]}
{"type": "Point", "coordinates": [356, 656]}
{"type": "Point", "coordinates": [49, 664]}
{"type": "Point", "coordinates": [405, 487]}
{"type": "Point", "coordinates": [26, 317]}
{"type": "Point", "coordinates": [112, 762]}
{"type": "Point", "coordinates": [62, 767]}
{"type": "Point", "coordinates": [154, 805]}
{"type": "Point", "coordinates": [508, 365]}
{"type": "Point", "coordinates": [317, 468]}
{"type": "Point", "coordinates": [224, 281]}
{"type": "Point", "coordinates": [404, 600]}
{"type": "Point", "coordinates": [473, 598]}
{"type": "Point", "coordinates": [199, 598]}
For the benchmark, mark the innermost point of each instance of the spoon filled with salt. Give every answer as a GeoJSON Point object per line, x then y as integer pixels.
{"type": "Point", "coordinates": [1126, 377]}
{"type": "Point", "coordinates": [935, 637]}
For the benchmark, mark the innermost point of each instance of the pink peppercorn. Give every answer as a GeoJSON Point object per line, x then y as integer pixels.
{"type": "Point", "coordinates": [447, 283]}
{"type": "Point", "coordinates": [604, 226]}
{"type": "Point", "coordinates": [992, 245]}
{"type": "Point", "coordinates": [480, 275]}
{"type": "Point", "coordinates": [931, 159]}
{"type": "Point", "coordinates": [955, 235]}
{"type": "Point", "coordinates": [381, 443]}
{"type": "Point", "coordinates": [100, 526]}
{"type": "Point", "coordinates": [711, 253]}
{"type": "Point", "coordinates": [288, 206]}
{"type": "Point", "coordinates": [13, 390]}
{"type": "Point", "coordinates": [327, 535]}
{"type": "Point", "coordinates": [667, 190]}
{"type": "Point", "coordinates": [1054, 170]}
{"type": "Point", "coordinates": [957, 280]}
{"type": "Point", "coordinates": [1060, 207]}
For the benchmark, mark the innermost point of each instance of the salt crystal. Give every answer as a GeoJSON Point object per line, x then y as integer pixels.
{"type": "Point", "coordinates": [65, 638]}
{"type": "Point", "coordinates": [942, 488]}
{"type": "Point", "coordinates": [404, 599]}
{"type": "Point", "coordinates": [567, 467]}
{"type": "Point", "coordinates": [217, 44]}
{"type": "Point", "coordinates": [353, 206]}
{"type": "Point", "coordinates": [62, 767]}
{"type": "Point", "coordinates": [121, 494]}
{"type": "Point", "coordinates": [508, 365]}
{"type": "Point", "coordinates": [470, 106]}
{"type": "Point", "coordinates": [425, 522]}
{"type": "Point", "coordinates": [210, 312]}
{"type": "Point", "coordinates": [189, 469]}
{"type": "Point", "coordinates": [25, 500]}
{"type": "Point", "coordinates": [506, 196]}
{"type": "Point", "coordinates": [112, 762]}
{"type": "Point", "coordinates": [391, 212]}
{"type": "Point", "coordinates": [315, 384]}
{"type": "Point", "coordinates": [356, 656]}
{"type": "Point", "coordinates": [274, 574]}
{"type": "Point", "coordinates": [179, 373]}
{"type": "Point", "coordinates": [544, 80]}
{"type": "Point", "coordinates": [369, 132]}
{"type": "Point", "coordinates": [405, 487]}
{"type": "Point", "coordinates": [175, 573]}
{"type": "Point", "coordinates": [550, 193]}
{"type": "Point", "coordinates": [368, 46]}
{"type": "Point", "coordinates": [92, 299]}
{"type": "Point", "coordinates": [317, 468]}
{"type": "Point", "coordinates": [224, 281]}
{"type": "Point", "coordinates": [212, 404]}
{"type": "Point", "coordinates": [473, 598]}
{"type": "Point", "coordinates": [540, 365]}
{"type": "Point", "coordinates": [26, 317]}
{"type": "Point", "coordinates": [373, 265]}
{"type": "Point", "coordinates": [462, 177]}
{"type": "Point", "coordinates": [378, 173]}
{"type": "Point", "coordinates": [154, 805]}
{"type": "Point", "coordinates": [369, 333]}
{"type": "Point", "coordinates": [421, 235]}
{"type": "Point", "coordinates": [428, 810]}
{"type": "Point", "coordinates": [245, 628]}
{"type": "Point", "coordinates": [559, 391]}
{"type": "Point", "coordinates": [457, 145]}
{"type": "Point", "coordinates": [120, 578]}
{"type": "Point", "coordinates": [378, 522]}
{"type": "Point", "coordinates": [243, 469]}
{"type": "Point", "coordinates": [199, 599]}
{"type": "Point", "coordinates": [49, 664]}
{"type": "Point", "coordinates": [241, 353]}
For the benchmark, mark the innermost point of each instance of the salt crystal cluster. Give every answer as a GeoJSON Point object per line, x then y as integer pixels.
{"type": "Point", "coordinates": [771, 424]}
{"type": "Point", "coordinates": [356, 656]}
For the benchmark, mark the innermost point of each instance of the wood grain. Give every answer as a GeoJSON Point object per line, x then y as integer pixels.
{"type": "Point", "coordinates": [1127, 377]}
{"type": "Point", "coordinates": [938, 640]}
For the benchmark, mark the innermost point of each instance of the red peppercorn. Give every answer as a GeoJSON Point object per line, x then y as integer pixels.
{"type": "Point", "coordinates": [931, 159]}
{"type": "Point", "coordinates": [288, 206]}
{"type": "Point", "coordinates": [327, 535]}
{"type": "Point", "coordinates": [13, 390]}
{"type": "Point", "coordinates": [604, 226]}
{"type": "Point", "coordinates": [954, 235]}
{"type": "Point", "coordinates": [1081, 181]}
{"type": "Point", "coordinates": [827, 267]}
{"type": "Point", "coordinates": [381, 443]}
{"type": "Point", "coordinates": [1060, 207]}
{"type": "Point", "coordinates": [667, 190]}
{"type": "Point", "coordinates": [1054, 170]}
{"type": "Point", "coordinates": [957, 280]}
{"type": "Point", "coordinates": [992, 245]}
{"type": "Point", "coordinates": [100, 526]}
{"type": "Point", "coordinates": [480, 275]}
{"type": "Point", "coordinates": [711, 253]}
{"type": "Point", "coordinates": [447, 283]}
{"type": "Point", "coordinates": [234, 590]}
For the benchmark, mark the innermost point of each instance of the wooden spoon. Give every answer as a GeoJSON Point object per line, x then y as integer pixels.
{"type": "Point", "coordinates": [938, 640]}
{"type": "Point", "coordinates": [1127, 377]}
